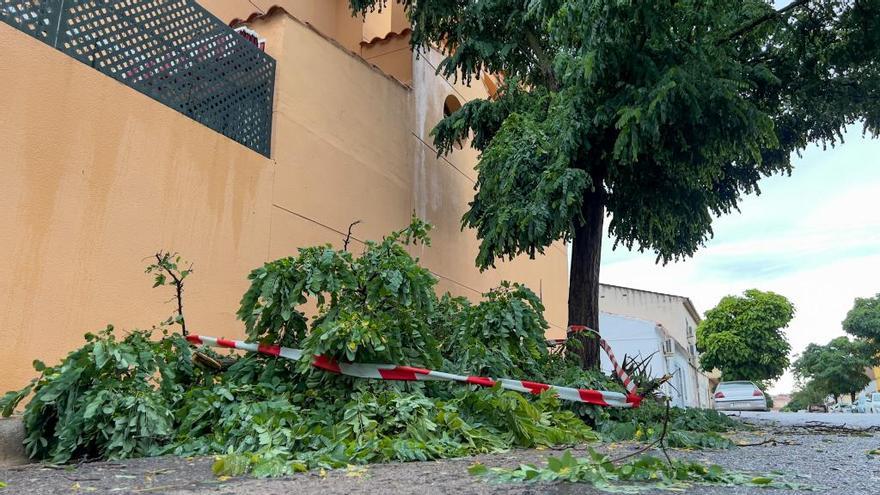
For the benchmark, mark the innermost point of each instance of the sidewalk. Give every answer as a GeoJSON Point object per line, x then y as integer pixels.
{"type": "Point", "coordinates": [835, 463]}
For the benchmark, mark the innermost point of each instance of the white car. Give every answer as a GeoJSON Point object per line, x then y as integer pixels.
{"type": "Point", "coordinates": [739, 396]}
{"type": "Point", "coordinates": [863, 404]}
{"type": "Point", "coordinates": [875, 403]}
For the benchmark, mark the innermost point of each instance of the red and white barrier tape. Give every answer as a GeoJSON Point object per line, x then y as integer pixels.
{"type": "Point", "coordinates": [624, 377]}
{"type": "Point", "coordinates": [408, 373]}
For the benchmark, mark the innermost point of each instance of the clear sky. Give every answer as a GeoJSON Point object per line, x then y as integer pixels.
{"type": "Point", "coordinates": [813, 237]}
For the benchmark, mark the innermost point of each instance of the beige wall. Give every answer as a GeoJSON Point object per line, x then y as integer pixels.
{"type": "Point", "coordinates": [97, 177]}
{"type": "Point", "coordinates": [675, 316]}
{"type": "Point", "coordinates": [667, 310]}
{"type": "Point", "coordinates": [390, 20]}
{"type": "Point", "coordinates": [332, 18]}
{"type": "Point", "coordinates": [444, 186]}
{"type": "Point", "coordinates": [347, 126]}
{"type": "Point", "coordinates": [391, 54]}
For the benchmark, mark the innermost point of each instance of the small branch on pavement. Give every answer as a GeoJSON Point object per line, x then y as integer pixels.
{"type": "Point", "coordinates": [773, 441]}
{"type": "Point", "coordinates": [659, 442]}
{"type": "Point", "coordinates": [663, 434]}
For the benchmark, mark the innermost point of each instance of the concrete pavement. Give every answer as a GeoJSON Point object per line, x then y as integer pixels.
{"type": "Point", "coordinates": [829, 462]}
{"type": "Point", "coordinates": [849, 420]}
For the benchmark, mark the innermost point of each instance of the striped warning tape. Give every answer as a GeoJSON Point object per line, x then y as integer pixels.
{"type": "Point", "coordinates": [409, 373]}
{"type": "Point", "coordinates": [621, 373]}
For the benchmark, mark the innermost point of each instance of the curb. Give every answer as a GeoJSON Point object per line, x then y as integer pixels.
{"type": "Point", "coordinates": [11, 438]}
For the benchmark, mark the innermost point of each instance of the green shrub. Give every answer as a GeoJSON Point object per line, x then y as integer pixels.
{"type": "Point", "coordinates": [109, 399]}
{"type": "Point", "coordinates": [139, 397]}
{"type": "Point", "coordinates": [502, 336]}
{"type": "Point", "coordinates": [687, 427]}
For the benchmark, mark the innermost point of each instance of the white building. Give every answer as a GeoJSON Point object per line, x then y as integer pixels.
{"type": "Point", "coordinates": [636, 321]}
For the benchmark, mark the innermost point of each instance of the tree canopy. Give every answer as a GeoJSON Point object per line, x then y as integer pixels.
{"type": "Point", "coordinates": [809, 393]}
{"type": "Point", "coordinates": [660, 115]}
{"type": "Point", "coordinates": [742, 336]}
{"type": "Point", "coordinates": [837, 368]}
{"type": "Point", "coordinates": [863, 321]}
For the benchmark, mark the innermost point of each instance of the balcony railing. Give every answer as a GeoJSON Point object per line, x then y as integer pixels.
{"type": "Point", "coordinates": [173, 51]}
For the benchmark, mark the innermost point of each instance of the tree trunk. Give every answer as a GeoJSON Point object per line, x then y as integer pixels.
{"type": "Point", "coordinates": [852, 397]}
{"type": "Point", "coordinates": [583, 289]}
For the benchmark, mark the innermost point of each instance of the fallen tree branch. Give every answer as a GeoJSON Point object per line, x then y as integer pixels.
{"type": "Point", "coordinates": [658, 442]}
{"type": "Point", "coordinates": [774, 441]}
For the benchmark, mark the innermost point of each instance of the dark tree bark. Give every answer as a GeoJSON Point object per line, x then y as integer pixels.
{"type": "Point", "coordinates": [583, 288]}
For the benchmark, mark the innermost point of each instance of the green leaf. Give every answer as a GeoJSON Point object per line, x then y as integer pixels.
{"type": "Point", "coordinates": [478, 469]}
{"type": "Point", "coordinates": [99, 354]}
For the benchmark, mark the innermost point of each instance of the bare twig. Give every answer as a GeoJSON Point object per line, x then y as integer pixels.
{"type": "Point", "coordinates": [659, 442]}
{"type": "Point", "coordinates": [762, 19]}
{"type": "Point", "coordinates": [663, 433]}
{"type": "Point", "coordinates": [771, 440]}
{"type": "Point", "coordinates": [157, 488]}
{"type": "Point", "coordinates": [348, 236]}
{"type": "Point", "coordinates": [162, 263]}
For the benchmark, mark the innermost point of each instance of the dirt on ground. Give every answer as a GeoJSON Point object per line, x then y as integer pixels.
{"type": "Point", "coordinates": [834, 462]}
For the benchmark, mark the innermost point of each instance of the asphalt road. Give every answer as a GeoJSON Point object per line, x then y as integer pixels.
{"type": "Point", "coordinates": [823, 456]}
{"type": "Point", "coordinates": [804, 419]}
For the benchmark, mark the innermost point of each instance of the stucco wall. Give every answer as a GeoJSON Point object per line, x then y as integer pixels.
{"type": "Point", "coordinates": [352, 143]}
{"type": "Point", "coordinates": [96, 177]}
{"type": "Point", "coordinates": [331, 17]}
{"type": "Point", "coordinates": [391, 54]}
{"type": "Point", "coordinates": [634, 336]}
{"type": "Point", "coordinates": [672, 313]}
{"type": "Point", "coordinates": [667, 310]}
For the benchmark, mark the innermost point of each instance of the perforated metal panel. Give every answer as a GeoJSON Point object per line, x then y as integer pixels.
{"type": "Point", "coordinates": [171, 50]}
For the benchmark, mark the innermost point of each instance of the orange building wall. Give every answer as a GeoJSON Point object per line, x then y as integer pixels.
{"type": "Point", "coordinates": [97, 177]}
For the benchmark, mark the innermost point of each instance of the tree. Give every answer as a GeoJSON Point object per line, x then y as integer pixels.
{"type": "Point", "coordinates": [836, 368]}
{"type": "Point", "coordinates": [863, 321]}
{"type": "Point", "coordinates": [808, 394]}
{"type": "Point", "coordinates": [659, 115]}
{"type": "Point", "coordinates": [742, 336]}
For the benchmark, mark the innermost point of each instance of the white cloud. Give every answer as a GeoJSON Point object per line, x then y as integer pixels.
{"type": "Point", "coordinates": [821, 295]}
{"type": "Point", "coordinates": [813, 237]}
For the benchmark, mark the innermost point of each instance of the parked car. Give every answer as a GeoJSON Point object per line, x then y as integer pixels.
{"type": "Point", "coordinates": [739, 396]}
{"type": "Point", "coordinates": [840, 408]}
{"type": "Point", "coordinates": [875, 402]}
{"type": "Point", "coordinates": [863, 404]}
{"type": "Point", "coordinates": [818, 408]}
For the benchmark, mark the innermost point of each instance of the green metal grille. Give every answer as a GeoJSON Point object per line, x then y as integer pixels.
{"type": "Point", "coordinates": [174, 51]}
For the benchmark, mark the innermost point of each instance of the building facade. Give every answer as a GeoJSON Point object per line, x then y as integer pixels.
{"type": "Point", "coordinates": [676, 320]}
{"type": "Point", "coordinates": [643, 338]}
{"type": "Point", "coordinates": [98, 176]}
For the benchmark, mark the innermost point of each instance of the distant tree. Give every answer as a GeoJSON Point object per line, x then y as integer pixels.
{"type": "Point", "coordinates": [742, 336]}
{"type": "Point", "coordinates": [658, 114]}
{"type": "Point", "coordinates": [863, 321]}
{"type": "Point", "coordinates": [837, 368]}
{"type": "Point", "coordinates": [807, 394]}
